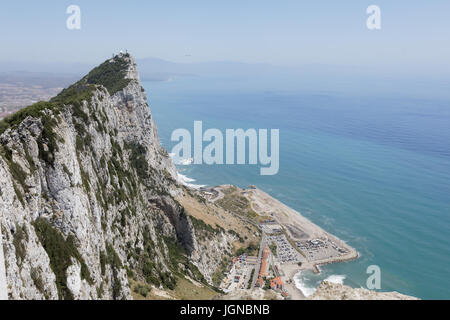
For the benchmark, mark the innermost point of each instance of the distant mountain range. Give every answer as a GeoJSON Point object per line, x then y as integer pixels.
{"type": "Point", "coordinates": [362, 79]}
{"type": "Point", "coordinates": [151, 69]}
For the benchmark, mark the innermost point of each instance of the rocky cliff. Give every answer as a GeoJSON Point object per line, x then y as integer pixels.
{"type": "Point", "coordinates": [335, 291]}
{"type": "Point", "coordinates": [88, 197]}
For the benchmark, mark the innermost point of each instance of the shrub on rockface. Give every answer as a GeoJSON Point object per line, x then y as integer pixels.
{"type": "Point", "coordinates": [138, 160]}
{"type": "Point", "coordinates": [60, 251]}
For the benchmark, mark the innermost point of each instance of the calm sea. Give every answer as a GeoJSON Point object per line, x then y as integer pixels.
{"type": "Point", "coordinates": [371, 168]}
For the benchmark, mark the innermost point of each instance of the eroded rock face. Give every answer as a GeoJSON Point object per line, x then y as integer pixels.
{"type": "Point", "coordinates": [73, 274]}
{"type": "Point", "coordinates": [86, 193]}
{"type": "Point", "coordinates": [334, 291]}
{"type": "Point", "coordinates": [3, 289]}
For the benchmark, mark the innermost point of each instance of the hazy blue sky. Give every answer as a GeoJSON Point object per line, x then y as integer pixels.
{"type": "Point", "coordinates": [415, 33]}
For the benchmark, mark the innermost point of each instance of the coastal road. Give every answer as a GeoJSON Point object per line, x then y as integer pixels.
{"type": "Point", "coordinates": [258, 265]}
{"type": "Point", "coordinates": [220, 195]}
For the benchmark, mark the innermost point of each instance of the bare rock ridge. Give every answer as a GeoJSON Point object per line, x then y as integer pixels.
{"type": "Point", "coordinates": [3, 289]}
{"type": "Point", "coordinates": [87, 196]}
{"type": "Point", "coordinates": [335, 291]}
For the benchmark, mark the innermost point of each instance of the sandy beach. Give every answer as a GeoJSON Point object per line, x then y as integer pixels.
{"type": "Point", "coordinates": [302, 244]}
{"type": "Point", "coordinates": [289, 271]}
{"type": "Point", "coordinates": [298, 228]}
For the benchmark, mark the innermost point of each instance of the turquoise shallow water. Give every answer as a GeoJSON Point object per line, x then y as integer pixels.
{"type": "Point", "coordinates": [373, 170]}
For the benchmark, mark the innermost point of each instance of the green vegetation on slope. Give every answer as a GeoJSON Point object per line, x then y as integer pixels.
{"type": "Point", "coordinates": [112, 258]}
{"type": "Point", "coordinates": [35, 111]}
{"type": "Point", "coordinates": [14, 168]}
{"type": "Point", "coordinates": [137, 159]}
{"type": "Point", "coordinates": [219, 274]}
{"type": "Point", "coordinates": [48, 137]}
{"type": "Point", "coordinates": [111, 75]}
{"type": "Point", "coordinates": [20, 237]}
{"type": "Point", "coordinates": [252, 250]}
{"type": "Point", "coordinates": [73, 95]}
{"type": "Point", "coordinates": [60, 251]}
{"type": "Point", "coordinates": [204, 230]}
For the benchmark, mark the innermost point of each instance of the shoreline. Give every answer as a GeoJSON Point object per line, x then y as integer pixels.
{"type": "Point", "coordinates": [293, 221]}
{"type": "Point", "coordinates": [294, 292]}
{"type": "Point", "coordinates": [267, 206]}
{"type": "Point", "coordinates": [293, 269]}
{"type": "Point", "coordinates": [288, 217]}
{"type": "Point", "coordinates": [317, 265]}
{"type": "Point", "coordinates": [316, 269]}
{"type": "Point", "coordinates": [298, 229]}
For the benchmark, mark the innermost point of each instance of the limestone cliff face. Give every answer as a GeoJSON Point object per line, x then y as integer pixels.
{"type": "Point", "coordinates": [87, 195]}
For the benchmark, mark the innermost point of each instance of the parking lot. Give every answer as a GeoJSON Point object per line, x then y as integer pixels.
{"type": "Point", "coordinates": [285, 252]}
{"type": "Point", "coordinates": [318, 249]}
